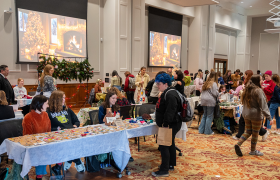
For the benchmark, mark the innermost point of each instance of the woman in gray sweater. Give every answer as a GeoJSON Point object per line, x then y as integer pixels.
{"type": "Point", "coordinates": [209, 96]}
{"type": "Point", "coordinates": [254, 107]}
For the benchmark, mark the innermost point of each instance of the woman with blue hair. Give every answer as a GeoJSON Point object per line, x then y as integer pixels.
{"type": "Point", "coordinates": [167, 108]}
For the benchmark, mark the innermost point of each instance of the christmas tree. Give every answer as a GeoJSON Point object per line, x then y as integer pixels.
{"type": "Point", "coordinates": [157, 46]}
{"type": "Point", "coordinates": [34, 39]}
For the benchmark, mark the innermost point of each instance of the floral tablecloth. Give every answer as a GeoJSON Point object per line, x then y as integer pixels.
{"type": "Point", "coordinates": [237, 111]}
{"type": "Point", "coordinates": [83, 114]}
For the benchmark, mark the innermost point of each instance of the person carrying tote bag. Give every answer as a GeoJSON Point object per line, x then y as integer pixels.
{"type": "Point", "coordinates": [209, 97]}
{"type": "Point", "coordinates": [167, 118]}
{"type": "Point", "coordinates": [141, 82]}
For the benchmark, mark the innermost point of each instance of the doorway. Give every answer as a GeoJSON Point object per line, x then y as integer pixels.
{"type": "Point", "coordinates": [220, 65]}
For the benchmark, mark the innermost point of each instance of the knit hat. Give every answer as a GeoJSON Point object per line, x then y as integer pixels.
{"type": "Point", "coordinates": [268, 73]}
{"type": "Point", "coordinates": [186, 72]}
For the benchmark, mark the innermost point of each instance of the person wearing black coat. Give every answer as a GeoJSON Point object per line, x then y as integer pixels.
{"type": "Point", "coordinates": [6, 111]}
{"type": "Point", "coordinates": [178, 76]}
{"type": "Point", "coordinates": [167, 108]}
{"type": "Point", "coordinates": [5, 84]}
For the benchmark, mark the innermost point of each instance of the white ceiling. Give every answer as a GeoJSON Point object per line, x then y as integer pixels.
{"type": "Point", "coordinates": [256, 4]}
{"type": "Point", "coordinates": [188, 3]}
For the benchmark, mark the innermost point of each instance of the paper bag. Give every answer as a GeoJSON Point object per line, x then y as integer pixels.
{"type": "Point", "coordinates": [279, 111]}
{"type": "Point", "coordinates": [164, 136]}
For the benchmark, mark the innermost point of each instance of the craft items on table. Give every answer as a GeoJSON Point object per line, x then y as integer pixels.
{"type": "Point", "coordinates": [232, 109]}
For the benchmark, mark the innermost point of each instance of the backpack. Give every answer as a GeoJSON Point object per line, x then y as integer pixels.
{"type": "Point", "coordinates": [186, 110]}
{"type": "Point", "coordinates": [131, 84]}
{"type": "Point", "coordinates": [149, 87]}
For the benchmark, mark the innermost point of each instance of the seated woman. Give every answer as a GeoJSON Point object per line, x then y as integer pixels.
{"type": "Point", "coordinates": [110, 102]}
{"type": "Point", "coordinates": [37, 121]}
{"type": "Point", "coordinates": [19, 90]}
{"type": "Point", "coordinates": [97, 90]}
{"type": "Point", "coordinates": [6, 111]}
{"type": "Point", "coordinates": [63, 117]}
{"type": "Point", "coordinates": [122, 101]}
{"type": "Point", "coordinates": [222, 93]}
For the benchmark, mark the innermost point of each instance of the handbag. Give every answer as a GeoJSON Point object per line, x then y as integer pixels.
{"type": "Point", "coordinates": [92, 164]}
{"type": "Point", "coordinates": [164, 136]}
{"type": "Point", "coordinates": [279, 111]}
{"type": "Point", "coordinates": [217, 110]}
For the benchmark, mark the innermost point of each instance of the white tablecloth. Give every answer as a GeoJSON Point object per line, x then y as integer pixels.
{"type": "Point", "coordinates": [147, 130]}
{"type": "Point", "coordinates": [116, 142]}
{"type": "Point", "coordinates": [23, 102]}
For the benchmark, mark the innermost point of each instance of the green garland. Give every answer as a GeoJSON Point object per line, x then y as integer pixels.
{"type": "Point", "coordinates": [67, 71]}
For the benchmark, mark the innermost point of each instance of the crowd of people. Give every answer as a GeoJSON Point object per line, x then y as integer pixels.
{"type": "Point", "coordinates": [259, 95]}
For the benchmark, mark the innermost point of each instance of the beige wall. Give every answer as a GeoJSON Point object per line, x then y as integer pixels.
{"type": "Point", "coordinates": [259, 24]}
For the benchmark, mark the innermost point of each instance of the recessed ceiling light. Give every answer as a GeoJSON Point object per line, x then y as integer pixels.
{"type": "Point", "coordinates": [251, 6]}
{"type": "Point", "coordinates": [242, 2]}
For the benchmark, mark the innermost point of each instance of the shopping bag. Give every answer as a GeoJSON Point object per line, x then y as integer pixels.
{"type": "Point", "coordinates": [92, 164]}
{"type": "Point", "coordinates": [279, 111]}
{"type": "Point", "coordinates": [164, 136]}
{"type": "Point", "coordinates": [142, 97]}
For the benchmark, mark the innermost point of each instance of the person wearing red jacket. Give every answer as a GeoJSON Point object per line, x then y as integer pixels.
{"type": "Point", "coordinates": [127, 89]}
{"type": "Point", "coordinates": [268, 88]}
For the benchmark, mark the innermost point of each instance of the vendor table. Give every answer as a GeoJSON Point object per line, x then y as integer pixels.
{"type": "Point", "coordinates": [233, 111]}
{"type": "Point", "coordinates": [23, 102]}
{"type": "Point", "coordinates": [57, 152]}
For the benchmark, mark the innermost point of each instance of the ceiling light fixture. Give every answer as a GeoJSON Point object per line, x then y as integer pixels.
{"type": "Point", "coordinates": [251, 6]}
{"type": "Point", "coordinates": [216, 1]}
{"type": "Point", "coordinates": [242, 2]}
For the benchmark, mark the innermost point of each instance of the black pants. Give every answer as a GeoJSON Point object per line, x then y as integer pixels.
{"type": "Point", "coordinates": [241, 129]}
{"type": "Point", "coordinates": [168, 153]}
{"type": "Point", "coordinates": [153, 100]}
{"type": "Point", "coordinates": [130, 97]}
{"type": "Point", "coordinates": [25, 110]}
{"type": "Point", "coordinates": [197, 93]}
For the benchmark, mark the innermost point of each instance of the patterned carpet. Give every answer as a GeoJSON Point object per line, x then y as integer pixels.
{"type": "Point", "coordinates": [208, 157]}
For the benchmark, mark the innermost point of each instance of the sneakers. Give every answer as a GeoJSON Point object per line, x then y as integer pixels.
{"type": "Point", "coordinates": [80, 167]}
{"type": "Point", "coordinates": [238, 150]}
{"type": "Point", "coordinates": [131, 159]}
{"type": "Point", "coordinates": [56, 170]}
{"type": "Point", "coordinates": [256, 152]}
{"type": "Point", "coordinates": [160, 174]}
{"type": "Point", "coordinates": [171, 168]}
{"type": "Point", "coordinates": [67, 166]}
{"type": "Point", "coordinates": [235, 138]}
{"type": "Point", "coordinates": [264, 137]}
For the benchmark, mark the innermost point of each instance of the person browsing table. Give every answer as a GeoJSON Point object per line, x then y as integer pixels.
{"type": "Point", "coordinates": [167, 108]}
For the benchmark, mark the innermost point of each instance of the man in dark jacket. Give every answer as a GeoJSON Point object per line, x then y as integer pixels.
{"type": "Point", "coordinates": [5, 84]}
{"type": "Point", "coordinates": [167, 108]}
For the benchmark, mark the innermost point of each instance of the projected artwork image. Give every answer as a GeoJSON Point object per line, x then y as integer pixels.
{"type": "Point", "coordinates": [165, 49]}
{"type": "Point", "coordinates": [50, 34]}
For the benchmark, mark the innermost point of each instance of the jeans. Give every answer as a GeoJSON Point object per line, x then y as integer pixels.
{"type": "Point", "coordinates": [168, 153]}
{"type": "Point", "coordinates": [274, 112]}
{"type": "Point", "coordinates": [130, 97]}
{"type": "Point", "coordinates": [266, 122]}
{"type": "Point", "coordinates": [41, 170]}
{"type": "Point", "coordinates": [241, 128]}
{"type": "Point", "coordinates": [206, 121]}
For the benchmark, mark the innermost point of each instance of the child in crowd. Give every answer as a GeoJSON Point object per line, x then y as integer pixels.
{"type": "Point", "coordinates": [235, 78]}
{"type": "Point", "coordinates": [268, 88]}
{"type": "Point", "coordinates": [220, 80]}
{"type": "Point", "coordinates": [222, 93]}
{"type": "Point", "coordinates": [238, 89]}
